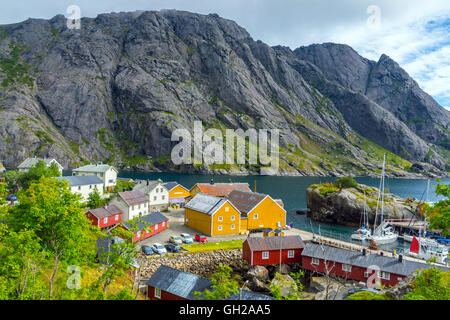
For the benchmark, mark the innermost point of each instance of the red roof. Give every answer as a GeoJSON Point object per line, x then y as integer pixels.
{"type": "Point", "coordinates": [221, 189]}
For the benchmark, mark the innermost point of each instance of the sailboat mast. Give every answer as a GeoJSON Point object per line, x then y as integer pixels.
{"type": "Point", "coordinates": [382, 190]}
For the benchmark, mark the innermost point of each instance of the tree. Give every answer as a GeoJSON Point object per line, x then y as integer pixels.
{"type": "Point", "coordinates": [3, 193]}
{"type": "Point", "coordinates": [223, 285]}
{"type": "Point", "coordinates": [285, 289]}
{"type": "Point", "coordinates": [430, 284]}
{"type": "Point", "coordinates": [54, 214]}
{"type": "Point", "coordinates": [346, 182]}
{"type": "Point", "coordinates": [13, 179]}
{"type": "Point", "coordinates": [439, 213]}
{"type": "Point", "coordinates": [95, 200]}
{"type": "Point", "coordinates": [38, 171]}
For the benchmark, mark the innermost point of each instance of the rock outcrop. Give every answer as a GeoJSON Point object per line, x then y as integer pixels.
{"type": "Point", "coordinates": [328, 203]}
{"type": "Point", "coordinates": [115, 90]}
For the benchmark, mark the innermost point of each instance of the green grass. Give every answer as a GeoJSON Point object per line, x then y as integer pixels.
{"type": "Point", "coordinates": [213, 246]}
{"type": "Point", "coordinates": [15, 69]}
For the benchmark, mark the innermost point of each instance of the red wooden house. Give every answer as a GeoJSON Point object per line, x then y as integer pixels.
{"type": "Point", "coordinates": [359, 265]}
{"type": "Point", "coordinates": [147, 226]}
{"type": "Point", "coordinates": [105, 217]}
{"type": "Point", "coordinates": [272, 250]}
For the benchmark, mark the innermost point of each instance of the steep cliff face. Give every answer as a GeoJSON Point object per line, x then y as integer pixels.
{"type": "Point", "coordinates": [116, 89]}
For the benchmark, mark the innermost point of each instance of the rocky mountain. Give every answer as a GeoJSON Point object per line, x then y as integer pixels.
{"type": "Point", "coordinates": [115, 90]}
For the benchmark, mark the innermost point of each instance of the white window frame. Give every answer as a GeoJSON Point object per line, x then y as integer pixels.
{"type": "Point", "coordinates": [346, 267]}
{"type": "Point", "coordinates": [232, 227]}
{"type": "Point", "coordinates": [157, 293]}
{"type": "Point", "coordinates": [220, 219]}
{"type": "Point", "coordinates": [255, 216]}
{"type": "Point", "coordinates": [156, 226]}
{"type": "Point", "coordinates": [385, 275]}
{"type": "Point", "coordinates": [233, 218]}
{"type": "Point", "coordinates": [265, 255]}
{"type": "Point", "coordinates": [105, 220]}
{"type": "Point", "coordinates": [366, 274]}
{"type": "Point", "coordinates": [163, 224]}
{"type": "Point", "coordinates": [291, 253]}
{"type": "Point", "coordinates": [219, 228]}
{"type": "Point", "coordinates": [138, 234]}
{"type": "Point", "coordinates": [315, 261]}
{"type": "Point", "coordinates": [116, 217]}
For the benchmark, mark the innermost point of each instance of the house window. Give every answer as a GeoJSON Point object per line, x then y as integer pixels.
{"type": "Point", "coordinates": [79, 187]}
{"type": "Point", "coordinates": [138, 234]}
{"type": "Point", "coordinates": [232, 218]}
{"type": "Point", "coordinates": [163, 197]}
{"type": "Point", "coordinates": [232, 226]}
{"type": "Point", "coordinates": [220, 218]}
{"type": "Point", "coordinates": [290, 253]}
{"type": "Point", "coordinates": [385, 275]}
{"type": "Point", "coordinates": [158, 293]}
{"type": "Point", "coordinates": [227, 209]}
{"type": "Point", "coordinates": [139, 206]}
{"type": "Point", "coordinates": [156, 227]}
{"type": "Point", "coordinates": [366, 274]}
{"type": "Point", "coordinates": [219, 228]}
{"type": "Point", "coordinates": [186, 220]}
{"type": "Point", "coordinates": [132, 208]}
{"type": "Point", "coordinates": [157, 190]}
{"type": "Point", "coordinates": [255, 216]}
{"type": "Point", "coordinates": [315, 261]}
{"type": "Point", "coordinates": [163, 224]}
{"type": "Point", "coordinates": [400, 278]}
{"type": "Point", "coordinates": [346, 267]}
{"type": "Point", "coordinates": [265, 255]}
{"type": "Point", "coordinates": [90, 186]}
{"type": "Point", "coordinates": [154, 198]}
{"type": "Point", "coordinates": [105, 220]}
{"type": "Point", "coordinates": [116, 217]}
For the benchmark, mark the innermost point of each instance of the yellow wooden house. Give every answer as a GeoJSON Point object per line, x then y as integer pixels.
{"type": "Point", "coordinates": [258, 211]}
{"type": "Point", "coordinates": [177, 194]}
{"type": "Point", "coordinates": [212, 215]}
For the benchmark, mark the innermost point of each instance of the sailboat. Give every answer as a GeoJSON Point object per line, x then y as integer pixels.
{"type": "Point", "coordinates": [383, 233]}
{"type": "Point", "coordinates": [422, 237]}
{"type": "Point", "coordinates": [363, 233]}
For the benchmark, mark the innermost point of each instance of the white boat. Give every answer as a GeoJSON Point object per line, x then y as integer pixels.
{"type": "Point", "coordinates": [363, 233]}
{"type": "Point", "coordinates": [383, 233]}
{"type": "Point", "coordinates": [419, 250]}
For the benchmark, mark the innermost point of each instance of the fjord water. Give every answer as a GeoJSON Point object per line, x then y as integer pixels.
{"type": "Point", "coordinates": [292, 190]}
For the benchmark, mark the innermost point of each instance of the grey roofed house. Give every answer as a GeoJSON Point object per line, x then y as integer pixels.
{"type": "Point", "coordinates": [81, 180]}
{"type": "Point", "coordinates": [205, 203]}
{"type": "Point", "coordinates": [95, 168]}
{"type": "Point", "coordinates": [170, 185]}
{"type": "Point", "coordinates": [148, 220]}
{"type": "Point", "coordinates": [184, 284]}
{"type": "Point", "coordinates": [31, 162]}
{"type": "Point", "coordinates": [274, 243]}
{"type": "Point", "coordinates": [147, 186]}
{"type": "Point", "coordinates": [358, 259]}
{"type": "Point", "coordinates": [133, 197]}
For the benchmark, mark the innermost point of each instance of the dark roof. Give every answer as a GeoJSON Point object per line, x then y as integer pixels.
{"type": "Point", "coordinates": [171, 184]}
{"type": "Point", "coordinates": [105, 211]}
{"type": "Point", "coordinates": [151, 218]}
{"type": "Point", "coordinates": [81, 180]}
{"type": "Point", "coordinates": [205, 203]}
{"type": "Point", "coordinates": [133, 197]}
{"type": "Point", "coordinates": [245, 201]}
{"type": "Point", "coordinates": [179, 283]}
{"type": "Point", "coordinates": [184, 284]}
{"type": "Point", "coordinates": [274, 243]}
{"type": "Point", "coordinates": [356, 258]}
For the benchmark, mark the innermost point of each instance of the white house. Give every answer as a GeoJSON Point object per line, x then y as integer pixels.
{"type": "Point", "coordinates": [157, 193]}
{"type": "Point", "coordinates": [132, 204]}
{"type": "Point", "coordinates": [84, 185]}
{"type": "Point", "coordinates": [104, 171]}
{"type": "Point", "coordinates": [31, 162]}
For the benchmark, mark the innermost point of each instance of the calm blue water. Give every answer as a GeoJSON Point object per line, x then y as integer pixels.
{"type": "Point", "coordinates": [292, 190]}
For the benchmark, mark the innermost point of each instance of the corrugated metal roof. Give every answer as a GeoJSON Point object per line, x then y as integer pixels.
{"type": "Point", "coordinates": [274, 243]}
{"type": "Point", "coordinates": [147, 188]}
{"type": "Point", "coordinates": [133, 197]}
{"type": "Point", "coordinates": [222, 189]}
{"type": "Point", "coordinates": [94, 168]}
{"type": "Point", "coordinates": [205, 203]}
{"type": "Point", "coordinates": [152, 218]}
{"type": "Point", "coordinates": [81, 180]}
{"type": "Point", "coordinates": [355, 258]}
{"type": "Point", "coordinates": [105, 211]}
{"type": "Point", "coordinates": [184, 284]}
{"type": "Point", "coordinates": [31, 162]}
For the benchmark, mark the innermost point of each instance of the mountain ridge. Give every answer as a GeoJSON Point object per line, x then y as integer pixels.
{"type": "Point", "coordinates": [116, 89]}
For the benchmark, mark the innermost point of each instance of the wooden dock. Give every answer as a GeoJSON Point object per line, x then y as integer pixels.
{"type": "Point", "coordinates": [407, 223]}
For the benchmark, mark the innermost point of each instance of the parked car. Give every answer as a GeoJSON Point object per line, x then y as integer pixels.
{"type": "Point", "coordinates": [175, 239]}
{"type": "Point", "coordinates": [173, 247]}
{"type": "Point", "coordinates": [201, 238]}
{"type": "Point", "coordinates": [186, 238]}
{"type": "Point", "coordinates": [147, 250]}
{"type": "Point", "coordinates": [159, 248]}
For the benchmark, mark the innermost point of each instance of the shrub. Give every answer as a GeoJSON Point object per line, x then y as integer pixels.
{"type": "Point", "coordinates": [346, 182]}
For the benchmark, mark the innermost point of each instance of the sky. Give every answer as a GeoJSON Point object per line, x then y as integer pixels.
{"type": "Point", "coordinates": [415, 33]}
